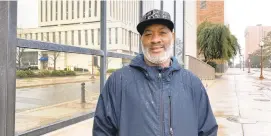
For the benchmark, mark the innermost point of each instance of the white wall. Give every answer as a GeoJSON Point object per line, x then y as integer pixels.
{"type": "Point", "coordinates": [191, 28]}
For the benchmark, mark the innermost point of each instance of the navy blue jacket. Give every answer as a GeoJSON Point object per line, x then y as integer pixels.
{"type": "Point", "coordinates": [140, 100]}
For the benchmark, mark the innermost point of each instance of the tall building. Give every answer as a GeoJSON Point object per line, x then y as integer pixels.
{"type": "Point", "coordinates": [77, 23]}
{"type": "Point", "coordinates": [253, 36]}
{"type": "Point", "coordinates": [212, 11]}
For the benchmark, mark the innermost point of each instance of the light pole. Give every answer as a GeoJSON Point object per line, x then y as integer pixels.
{"type": "Point", "coordinates": [240, 61]}
{"type": "Point", "coordinates": [248, 62]}
{"type": "Point", "coordinates": [261, 45]}
{"type": "Point", "coordinates": [243, 63]}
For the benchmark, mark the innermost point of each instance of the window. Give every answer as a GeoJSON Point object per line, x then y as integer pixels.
{"type": "Point", "coordinates": [95, 9]}
{"type": "Point", "coordinates": [47, 36]}
{"type": "Point", "coordinates": [203, 4]}
{"type": "Point", "coordinates": [86, 37]}
{"type": "Point", "coordinates": [59, 37]}
{"type": "Point", "coordinates": [51, 4]}
{"type": "Point", "coordinates": [41, 37]}
{"type": "Point", "coordinates": [79, 37]}
{"type": "Point", "coordinates": [78, 9]}
{"type": "Point", "coordinates": [54, 37]}
{"type": "Point", "coordinates": [89, 8]}
{"type": "Point", "coordinates": [109, 33]}
{"type": "Point", "coordinates": [30, 36]}
{"type": "Point", "coordinates": [66, 37]}
{"type": "Point", "coordinates": [36, 35]}
{"type": "Point", "coordinates": [116, 35]}
{"type": "Point", "coordinates": [41, 11]}
{"type": "Point", "coordinates": [72, 9]}
{"type": "Point", "coordinates": [61, 9]}
{"type": "Point", "coordinates": [45, 10]}
{"type": "Point", "coordinates": [84, 9]}
{"type": "Point", "coordinates": [123, 36]}
{"type": "Point", "coordinates": [92, 36]}
{"type": "Point", "coordinates": [56, 9]}
{"type": "Point", "coordinates": [72, 37]}
{"type": "Point", "coordinates": [99, 36]}
{"type": "Point", "coordinates": [67, 11]}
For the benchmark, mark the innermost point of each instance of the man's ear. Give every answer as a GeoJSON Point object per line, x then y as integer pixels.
{"type": "Point", "coordinates": [173, 36]}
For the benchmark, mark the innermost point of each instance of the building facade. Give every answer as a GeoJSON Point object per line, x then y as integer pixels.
{"type": "Point", "coordinates": [77, 23]}
{"type": "Point", "coordinates": [212, 11]}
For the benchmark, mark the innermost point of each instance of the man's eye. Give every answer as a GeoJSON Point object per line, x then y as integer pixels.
{"type": "Point", "coordinates": [163, 32]}
{"type": "Point", "coordinates": [147, 34]}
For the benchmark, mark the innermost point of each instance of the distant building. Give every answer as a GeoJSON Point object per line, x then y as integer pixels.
{"type": "Point", "coordinates": [77, 23]}
{"type": "Point", "coordinates": [253, 36]}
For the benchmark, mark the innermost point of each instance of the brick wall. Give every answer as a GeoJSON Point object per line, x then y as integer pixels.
{"type": "Point", "coordinates": [214, 11]}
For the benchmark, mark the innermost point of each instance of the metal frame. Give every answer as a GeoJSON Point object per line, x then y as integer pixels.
{"type": "Point", "coordinates": [8, 43]}
{"type": "Point", "coordinates": [8, 35]}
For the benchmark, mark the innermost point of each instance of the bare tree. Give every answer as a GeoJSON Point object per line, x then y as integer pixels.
{"type": "Point", "coordinates": [54, 58]}
{"type": "Point", "coordinates": [19, 55]}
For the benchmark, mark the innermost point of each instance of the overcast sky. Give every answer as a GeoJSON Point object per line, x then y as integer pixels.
{"type": "Point", "coordinates": [238, 13]}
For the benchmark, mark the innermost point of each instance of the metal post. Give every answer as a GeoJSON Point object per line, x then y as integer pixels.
{"type": "Point", "coordinates": [8, 43]}
{"type": "Point", "coordinates": [92, 68]}
{"type": "Point", "coordinates": [103, 44]}
{"type": "Point", "coordinates": [243, 64]}
{"type": "Point", "coordinates": [261, 76]}
{"type": "Point", "coordinates": [184, 63]}
{"type": "Point", "coordinates": [130, 42]}
{"type": "Point", "coordinates": [161, 5]}
{"type": "Point", "coordinates": [140, 16]}
{"type": "Point", "coordinates": [174, 27]}
{"type": "Point", "coordinates": [83, 91]}
{"type": "Point", "coordinates": [249, 65]}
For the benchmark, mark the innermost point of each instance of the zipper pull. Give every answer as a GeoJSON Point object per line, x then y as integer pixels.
{"type": "Point", "coordinates": [160, 75]}
{"type": "Point", "coordinates": [171, 131]}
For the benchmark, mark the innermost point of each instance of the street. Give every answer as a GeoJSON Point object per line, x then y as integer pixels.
{"type": "Point", "coordinates": [29, 98]}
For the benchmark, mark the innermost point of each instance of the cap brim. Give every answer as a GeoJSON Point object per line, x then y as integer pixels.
{"type": "Point", "coordinates": [142, 25]}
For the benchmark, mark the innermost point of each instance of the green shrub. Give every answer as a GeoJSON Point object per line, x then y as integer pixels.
{"type": "Point", "coordinates": [111, 70]}
{"type": "Point", "coordinates": [213, 64]}
{"type": "Point", "coordinates": [58, 73]}
{"type": "Point", "coordinates": [30, 73]}
{"type": "Point", "coordinates": [21, 74]}
{"type": "Point", "coordinates": [80, 69]}
{"type": "Point", "coordinates": [33, 68]}
{"type": "Point", "coordinates": [44, 73]}
{"type": "Point", "coordinates": [70, 73]}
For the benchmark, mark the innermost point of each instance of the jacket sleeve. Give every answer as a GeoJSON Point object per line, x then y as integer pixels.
{"type": "Point", "coordinates": [206, 120]}
{"type": "Point", "coordinates": [105, 122]}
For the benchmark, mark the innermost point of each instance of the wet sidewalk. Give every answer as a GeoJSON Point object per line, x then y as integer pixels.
{"type": "Point", "coordinates": [241, 103]}
{"type": "Point", "coordinates": [35, 82]}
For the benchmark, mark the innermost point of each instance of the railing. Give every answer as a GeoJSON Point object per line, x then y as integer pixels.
{"type": "Point", "coordinates": [8, 44]}
{"type": "Point", "coordinates": [199, 68]}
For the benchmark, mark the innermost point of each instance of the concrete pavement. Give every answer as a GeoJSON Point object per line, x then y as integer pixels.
{"type": "Point", "coordinates": [240, 101]}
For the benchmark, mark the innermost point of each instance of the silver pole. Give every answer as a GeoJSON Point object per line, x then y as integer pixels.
{"type": "Point", "coordinates": [103, 44]}
{"type": "Point", "coordinates": [8, 43]}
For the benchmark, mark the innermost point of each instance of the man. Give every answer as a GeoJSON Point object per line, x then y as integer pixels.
{"type": "Point", "coordinates": [154, 96]}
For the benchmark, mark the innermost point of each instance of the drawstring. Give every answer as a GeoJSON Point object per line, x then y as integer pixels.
{"type": "Point", "coordinates": [170, 117]}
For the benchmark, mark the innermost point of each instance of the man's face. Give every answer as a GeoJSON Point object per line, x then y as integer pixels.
{"type": "Point", "coordinates": [157, 43]}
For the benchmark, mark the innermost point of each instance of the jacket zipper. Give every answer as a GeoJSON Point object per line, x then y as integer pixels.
{"type": "Point", "coordinates": [162, 107]}
{"type": "Point", "coordinates": [170, 117]}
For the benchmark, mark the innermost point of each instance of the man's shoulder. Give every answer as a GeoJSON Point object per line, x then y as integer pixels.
{"type": "Point", "coordinates": [121, 73]}
{"type": "Point", "coordinates": [189, 78]}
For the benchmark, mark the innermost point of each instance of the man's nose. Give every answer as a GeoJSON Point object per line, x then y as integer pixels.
{"type": "Point", "coordinates": [156, 39]}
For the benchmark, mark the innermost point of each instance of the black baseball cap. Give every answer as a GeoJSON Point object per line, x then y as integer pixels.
{"type": "Point", "coordinates": [155, 16]}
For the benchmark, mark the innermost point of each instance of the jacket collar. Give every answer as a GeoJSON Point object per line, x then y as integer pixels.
{"type": "Point", "coordinates": [139, 62]}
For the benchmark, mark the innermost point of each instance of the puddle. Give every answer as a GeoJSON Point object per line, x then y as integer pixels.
{"type": "Point", "coordinates": [237, 119]}
{"type": "Point", "coordinates": [262, 100]}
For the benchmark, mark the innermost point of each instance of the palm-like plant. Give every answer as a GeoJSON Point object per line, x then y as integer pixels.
{"type": "Point", "coordinates": [216, 42]}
